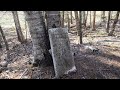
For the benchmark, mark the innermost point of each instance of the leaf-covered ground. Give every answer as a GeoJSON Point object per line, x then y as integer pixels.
{"type": "Point", "coordinates": [102, 64]}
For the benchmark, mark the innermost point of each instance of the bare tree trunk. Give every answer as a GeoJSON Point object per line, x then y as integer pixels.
{"type": "Point", "coordinates": [94, 17]}
{"type": "Point", "coordinates": [77, 22]}
{"type": "Point", "coordinates": [111, 15]}
{"type": "Point", "coordinates": [4, 38]}
{"type": "Point", "coordinates": [68, 19]}
{"type": "Point", "coordinates": [83, 17]}
{"type": "Point", "coordinates": [90, 19]}
{"type": "Point", "coordinates": [86, 19]}
{"type": "Point", "coordinates": [37, 31]}
{"type": "Point", "coordinates": [0, 45]}
{"type": "Point", "coordinates": [18, 28]}
{"type": "Point", "coordinates": [107, 29]}
{"type": "Point", "coordinates": [114, 24]}
{"type": "Point", "coordinates": [103, 13]}
{"type": "Point", "coordinates": [62, 19]}
{"type": "Point", "coordinates": [46, 30]}
{"type": "Point", "coordinates": [26, 30]}
{"type": "Point", "coordinates": [71, 17]}
{"type": "Point", "coordinates": [103, 16]}
{"type": "Point", "coordinates": [44, 21]}
{"type": "Point", "coordinates": [53, 19]}
{"type": "Point", "coordinates": [0, 41]}
{"type": "Point", "coordinates": [80, 24]}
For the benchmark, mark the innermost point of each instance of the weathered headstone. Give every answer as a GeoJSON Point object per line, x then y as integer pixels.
{"type": "Point", "coordinates": [61, 52]}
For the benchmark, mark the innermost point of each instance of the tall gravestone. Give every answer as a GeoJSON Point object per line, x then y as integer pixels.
{"type": "Point", "coordinates": [61, 52]}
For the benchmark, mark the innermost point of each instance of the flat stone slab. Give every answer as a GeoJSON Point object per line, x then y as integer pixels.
{"type": "Point", "coordinates": [61, 52]}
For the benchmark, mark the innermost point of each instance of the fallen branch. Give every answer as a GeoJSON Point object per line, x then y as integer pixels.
{"type": "Point", "coordinates": [23, 73]}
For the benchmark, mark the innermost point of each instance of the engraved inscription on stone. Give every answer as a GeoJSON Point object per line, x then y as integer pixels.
{"type": "Point", "coordinates": [61, 52]}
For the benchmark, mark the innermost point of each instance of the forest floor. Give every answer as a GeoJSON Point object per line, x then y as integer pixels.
{"type": "Point", "coordinates": [102, 64]}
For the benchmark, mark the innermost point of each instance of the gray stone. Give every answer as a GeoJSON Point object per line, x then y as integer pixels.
{"type": "Point", "coordinates": [25, 77]}
{"type": "Point", "coordinates": [4, 63]}
{"type": "Point", "coordinates": [91, 49]}
{"type": "Point", "coordinates": [61, 52]}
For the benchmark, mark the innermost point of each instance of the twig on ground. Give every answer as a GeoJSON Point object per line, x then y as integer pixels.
{"type": "Point", "coordinates": [23, 73]}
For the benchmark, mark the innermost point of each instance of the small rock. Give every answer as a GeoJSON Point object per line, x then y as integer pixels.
{"type": "Point", "coordinates": [91, 49]}
{"type": "Point", "coordinates": [7, 71]}
{"type": "Point", "coordinates": [4, 63]}
{"type": "Point", "coordinates": [25, 77]}
{"type": "Point", "coordinates": [15, 71]}
{"type": "Point", "coordinates": [82, 77]}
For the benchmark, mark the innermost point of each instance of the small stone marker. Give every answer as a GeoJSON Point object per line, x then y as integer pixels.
{"type": "Point", "coordinates": [62, 56]}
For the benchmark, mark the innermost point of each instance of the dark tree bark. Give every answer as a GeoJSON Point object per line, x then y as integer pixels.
{"type": "Point", "coordinates": [18, 28]}
{"type": "Point", "coordinates": [77, 22]}
{"type": "Point", "coordinates": [114, 24]}
{"type": "Point", "coordinates": [80, 24]}
{"type": "Point", "coordinates": [94, 17]}
{"type": "Point", "coordinates": [46, 30]}
{"type": "Point", "coordinates": [4, 38]}
{"type": "Point", "coordinates": [107, 29]}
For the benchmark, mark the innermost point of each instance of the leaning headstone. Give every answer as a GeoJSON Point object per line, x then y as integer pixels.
{"type": "Point", "coordinates": [61, 52]}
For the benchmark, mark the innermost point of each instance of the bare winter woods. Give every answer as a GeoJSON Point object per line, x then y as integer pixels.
{"type": "Point", "coordinates": [59, 45]}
